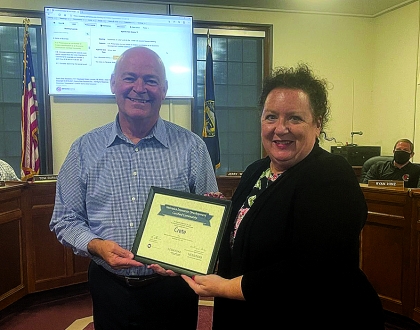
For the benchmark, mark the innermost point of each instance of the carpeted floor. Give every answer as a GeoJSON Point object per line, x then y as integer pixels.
{"type": "Point", "coordinates": [70, 308]}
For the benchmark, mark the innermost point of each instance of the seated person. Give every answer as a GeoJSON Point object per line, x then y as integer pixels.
{"type": "Point", "coordinates": [7, 173]}
{"type": "Point", "coordinates": [369, 162]}
{"type": "Point", "coordinates": [399, 168]}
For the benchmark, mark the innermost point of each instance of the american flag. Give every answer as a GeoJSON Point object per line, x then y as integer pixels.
{"type": "Point", "coordinates": [30, 162]}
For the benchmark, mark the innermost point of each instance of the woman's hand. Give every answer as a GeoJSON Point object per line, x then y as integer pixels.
{"type": "Point", "coordinates": [215, 286]}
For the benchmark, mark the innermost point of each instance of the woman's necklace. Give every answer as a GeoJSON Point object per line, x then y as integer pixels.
{"type": "Point", "coordinates": [273, 173]}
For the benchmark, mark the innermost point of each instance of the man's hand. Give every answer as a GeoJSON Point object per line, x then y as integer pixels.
{"type": "Point", "coordinates": [113, 254]}
{"type": "Point", "coordinates": [217, 194]}
{"type": "Point", "coordinates": [162, 271]}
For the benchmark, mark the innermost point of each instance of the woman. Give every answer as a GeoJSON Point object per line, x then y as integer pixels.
{"type": "Point", "coordinates": [291, 252]}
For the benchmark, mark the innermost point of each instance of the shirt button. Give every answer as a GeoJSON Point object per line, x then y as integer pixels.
{"type": "Point", "coordinates": [133, 199]}
{"type": "Point", "coordinates": [131, 224]}
{"type": "Point", "coordinates": [136, 150]}
{"type": "Point", "coordinates": [134, 173]}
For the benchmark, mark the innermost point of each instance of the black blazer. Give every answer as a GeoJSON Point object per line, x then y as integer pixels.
{"type": "Point", "coordinates": [298, 249]}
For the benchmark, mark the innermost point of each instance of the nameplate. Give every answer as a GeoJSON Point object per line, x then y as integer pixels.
{"type": "Point", "coordinates": [234, 173]}
{"type": "Point", "coordinates": [45, 178]}
{"type": "Point", "coordinates": [394, 184]}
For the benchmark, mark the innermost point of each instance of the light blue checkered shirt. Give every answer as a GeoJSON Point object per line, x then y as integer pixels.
{"type": "Point", "coordinates": [104, 182]}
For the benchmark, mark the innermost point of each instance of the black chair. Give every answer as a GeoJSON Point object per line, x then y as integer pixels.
{"type": "Point", "coordinates": [369, 162]}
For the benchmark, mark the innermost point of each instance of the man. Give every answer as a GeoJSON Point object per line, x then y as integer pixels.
{"type": "Point", "coordinates": [102, 189]}
{"type": "Point", "coordinates": [7, 173]}
{"type": "Point", "coordinates": [400, 168]}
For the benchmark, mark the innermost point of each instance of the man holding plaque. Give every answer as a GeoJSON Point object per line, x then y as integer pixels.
{"type": "Point", "coordinates": [102, 189]}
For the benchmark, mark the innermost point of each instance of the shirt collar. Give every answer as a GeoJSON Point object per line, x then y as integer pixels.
{"type": "Point", "coordinates": [158, 132]}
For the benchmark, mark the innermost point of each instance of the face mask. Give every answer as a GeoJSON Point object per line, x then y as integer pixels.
{"type": "Point", "coordinates": [401, 157]}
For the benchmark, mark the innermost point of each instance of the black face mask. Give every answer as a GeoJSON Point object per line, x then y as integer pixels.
{"type": "Point", "coordinates": [401, 157]}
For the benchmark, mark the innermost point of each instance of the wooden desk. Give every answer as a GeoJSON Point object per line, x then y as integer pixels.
{"type": "Point", "coordinates": [50, 264]}
{"type": "Point", "coordinates": [13, 213]}
{"type": "Point", "coordinates": [385, 246]}
{"type": "Point", "coordinates": [31, 258]}
{"type": "Point", "coordinates": [227, 184]}
{"type": "Point", "coordinates": [414, 274]}
{"type": "Point", "coordinates": [390, 248]}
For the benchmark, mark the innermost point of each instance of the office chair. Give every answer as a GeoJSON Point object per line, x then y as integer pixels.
{"type": "Point", "coordinates": [369, 162]}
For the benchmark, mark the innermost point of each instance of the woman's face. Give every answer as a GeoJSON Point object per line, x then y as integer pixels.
{"type": "Point", "coordinates": [288, 128]}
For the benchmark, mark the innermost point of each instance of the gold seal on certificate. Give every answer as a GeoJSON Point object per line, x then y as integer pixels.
{"type": "Point", "coordinates": [181, 231]}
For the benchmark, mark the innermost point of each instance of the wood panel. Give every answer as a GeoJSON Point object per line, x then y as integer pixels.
{"type": "Point", "coordinates": [385, 245]}
{"type": "Point", "coordinates": [31, 258]}
{"type": "Point", "coordinates": [52, 264]}
{"type": "Point", "coordinates": [12, 245]}
{"type": "Point", "coordinates": [227, 184]}
{"type": "Point", "coordinates": [414, 281]}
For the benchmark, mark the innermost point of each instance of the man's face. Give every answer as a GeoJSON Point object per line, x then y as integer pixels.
{"type": "Point", "coordinates": [403, 146]}
{"type": "Point", "coordinates": [139, 84]}
{"type": "Point", "coordinates": [402, 153]}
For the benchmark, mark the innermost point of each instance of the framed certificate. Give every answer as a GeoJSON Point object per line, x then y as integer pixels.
{"type": "Point", "coordinates": [181, 231]}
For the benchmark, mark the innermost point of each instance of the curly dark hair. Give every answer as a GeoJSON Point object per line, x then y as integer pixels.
{"type": "Point", "coordinates": [301, 78]}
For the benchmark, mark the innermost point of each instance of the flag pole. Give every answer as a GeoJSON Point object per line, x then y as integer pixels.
{"type": "Point", "coordinates": [26, 22]}
{"type": "Point", "coordinates": [30, 162]}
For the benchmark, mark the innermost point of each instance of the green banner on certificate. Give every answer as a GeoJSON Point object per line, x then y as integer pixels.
{"type": "Point", "coordinates": [181, 231]}
{"type": "Point", "coordinates": [188, 214]}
